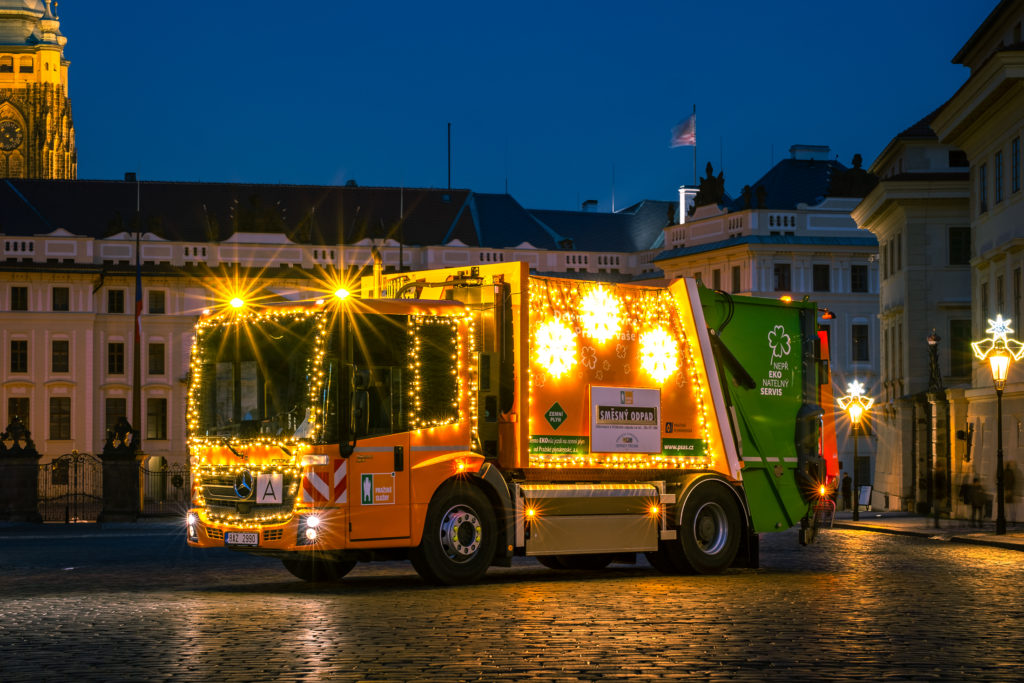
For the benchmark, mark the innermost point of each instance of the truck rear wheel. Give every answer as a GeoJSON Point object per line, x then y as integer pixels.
{"type": "Point", "coordinates": [709, 530]}
{"type": "Point", "coordinates": [707, 534]}
{"type": "Point", "coordinates": [309, 567]}
{"type": "Point", "coordinates": [459, 536]}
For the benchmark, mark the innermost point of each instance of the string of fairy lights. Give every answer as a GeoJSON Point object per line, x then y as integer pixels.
{"type": "Point", "coordinates": [564, 314]}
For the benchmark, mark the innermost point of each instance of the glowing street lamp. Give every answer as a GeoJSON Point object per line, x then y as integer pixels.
{"type": "Point", "coordinates": [999, 350]}
{"type": "Point", "coordinates": [856, 404]}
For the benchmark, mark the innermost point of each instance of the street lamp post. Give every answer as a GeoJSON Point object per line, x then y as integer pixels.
{"type": "Point", "coordinates": [999, 350]}
{"type": "Point", "coordinates": [856, 404]}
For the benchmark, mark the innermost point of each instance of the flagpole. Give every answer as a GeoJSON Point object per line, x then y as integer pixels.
{"type": "Point", "coordinates": [695, 145]}
{"type": "Point", "coordinates": [136, 360]}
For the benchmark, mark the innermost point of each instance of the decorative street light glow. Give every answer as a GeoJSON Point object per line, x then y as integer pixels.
{"type": "Point", "coordinates": [855, 403]}
{"type": "Point", "coordinates": [237, 302]}
{"type": "Point", "coordinates": [999, 350]}
{"type": "Point", "coordinates": [599, 314]}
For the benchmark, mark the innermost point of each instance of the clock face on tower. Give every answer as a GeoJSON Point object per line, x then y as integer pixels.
{"type": "Point", "coordinates": [10, 134]}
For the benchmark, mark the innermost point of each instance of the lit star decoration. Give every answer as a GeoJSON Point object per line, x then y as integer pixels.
{"type": "Point", "coordinates": [999, 341]}
{"type": "Point", "coordinates": [855, 403]}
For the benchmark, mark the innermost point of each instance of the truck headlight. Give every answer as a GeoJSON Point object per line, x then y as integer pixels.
{"type": "Point", "coordinates": [192, 523]}
{"type": "Point", "coordinates": [309, 529]}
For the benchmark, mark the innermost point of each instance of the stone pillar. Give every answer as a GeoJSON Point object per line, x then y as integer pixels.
{"type": "Point", "coordinates": [120, 475]}
{"type": "Point", "coordinates": [19, 475]}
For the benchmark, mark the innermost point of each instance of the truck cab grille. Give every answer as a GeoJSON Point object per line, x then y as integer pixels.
{"type": "Point", "coordinates": [222, 499]}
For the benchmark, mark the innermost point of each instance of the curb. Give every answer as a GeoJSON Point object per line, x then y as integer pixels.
{"type": "Point", "coordinates": [1007, 545]}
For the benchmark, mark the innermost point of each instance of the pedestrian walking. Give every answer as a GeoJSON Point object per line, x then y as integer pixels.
{"type": "Point", "coordinates": [847, 491]}
{"type": "Point", "coordinates": [978, 498]}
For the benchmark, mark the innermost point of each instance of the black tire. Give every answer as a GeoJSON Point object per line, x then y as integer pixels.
{"type": "Point", "coordinates": [311, 567]}
{"type": "Point", "coordinates": [460, 536]}
{"type": "Point", "coordinates": [708, 535]}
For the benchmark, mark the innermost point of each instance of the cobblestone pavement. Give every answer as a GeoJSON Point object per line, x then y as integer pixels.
{"type": "Point", "coordinates": [135, 604]}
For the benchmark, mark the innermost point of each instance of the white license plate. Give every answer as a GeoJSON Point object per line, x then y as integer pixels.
{"type": "Point", "coordinates": [250, 538]}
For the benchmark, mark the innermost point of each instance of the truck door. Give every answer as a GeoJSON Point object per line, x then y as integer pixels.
{"type": "Point", "coordinates": [377, 354]}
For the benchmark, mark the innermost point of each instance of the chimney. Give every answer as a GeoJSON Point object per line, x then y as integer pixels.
{"type": "Point", "coordinates": [687, 193]}
{"type": "Point", "coordinates": [129, 177]}
{"type": "Point", "coordinates": [590, 205]}
{"type": "Point", "coordinates": [809, 152]}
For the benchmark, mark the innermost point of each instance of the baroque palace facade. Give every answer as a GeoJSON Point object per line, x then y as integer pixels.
{"type": "Point", "coordinates": [951, 202]}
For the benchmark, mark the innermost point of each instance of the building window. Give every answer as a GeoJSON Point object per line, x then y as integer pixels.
{"type": "Point", "coordinates": [984, 300]}
{"type": "Point", "coordinates": [997, 177]}
{"type": "Point", "coordinates": [782, 278]}
{"type": "Point", "coordinates": [1015, 165]}
{"type": "Point", "coordinates": [983, 188]}
{"type": "Point", "coordinates": [960, 356]}
{"type": "Point", "coordinates": [156, 418]}
{"type": "Point", "coordinates": [1000, 294]}
{"type": "Point", "coordinates": [1016, 296]}
{"type": "Point", "coordinates": [59, 355]}
{"type": "Point", "coordinates": [859, 343]}
{"type": "Point", "coordinates": [899, 252]}
{"type": "Point", "coordinates": [156, 302]}
{"type": "Point", "coordinates": [737, 284]}
{"type": "Point", "coordinates": [822, 277]}
{"type": "Point", "coordinates": [716, 279]}
{"type": "Point", "coordinates": [859, 278]}
{"type": "Point", "coordinates": [156, 359]}
{"type": "Point", "coordinates": [25, 65]}
{"type": "Point", "coordinates": [958, 159]}
{"type": "Point", "coordinates": [61, 299]}
{"type": "Point", "coordinates": [19, 355]}
{"type": "Point", "coordinates": [19, 298]}
{"type": "Point", "coordinates": [60, 418]}
{"type": "Point", "coordinates": [17, 406]}
{"type": "Point", "coordinates": [115, 358]}
{"type": "Point", "coordinates": [6, 65]}
{"type": "Point", "coordinates": [114, 410]}
{"type": "Point", "coordinates": [115, 301]}
{"type": "Point", "coordinates": [959, 246]}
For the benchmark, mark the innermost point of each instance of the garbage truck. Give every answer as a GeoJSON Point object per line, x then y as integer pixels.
{"type": "Point", "coordinates": [459, 418]}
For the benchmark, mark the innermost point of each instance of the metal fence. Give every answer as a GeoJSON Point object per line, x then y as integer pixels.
{"type": "Point", "coordinates": [70, 488]}
{"type": "Point", "coordinates": [164, 488]}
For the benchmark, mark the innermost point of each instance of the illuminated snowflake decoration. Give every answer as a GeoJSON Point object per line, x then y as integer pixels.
{"type": "Point", "coordinates": [599, 314]}
{"type": "Point", "coordinates": [855, 402]}
{"type": "Point", "coordinates": [659, 356]}
{"type": "Point", "coordinates": [556, 347]}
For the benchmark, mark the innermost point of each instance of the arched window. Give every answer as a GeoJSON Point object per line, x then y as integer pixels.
{"type": "Point", "coordinates": [6, 65]}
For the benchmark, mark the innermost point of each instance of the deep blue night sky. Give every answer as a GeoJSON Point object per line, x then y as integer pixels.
{"type": "Point", "coordinates": [549, 97]}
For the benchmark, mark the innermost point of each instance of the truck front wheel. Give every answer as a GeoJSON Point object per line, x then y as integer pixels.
{"type": "Point", "coordinates": [309, 567]}
{"type": "Point", "coordinates": [459, 536]}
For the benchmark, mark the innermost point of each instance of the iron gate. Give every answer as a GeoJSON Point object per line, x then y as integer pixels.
{"type": "Point", "coordinates": [71, 488]}
{"type": "Point", "coordinates": [165, 488]}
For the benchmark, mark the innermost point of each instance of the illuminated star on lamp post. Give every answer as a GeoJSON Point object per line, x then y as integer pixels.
{"type": "Point", "coordinates": [999, 351]}
{"type": "Point", "coordinates": [855, 403]}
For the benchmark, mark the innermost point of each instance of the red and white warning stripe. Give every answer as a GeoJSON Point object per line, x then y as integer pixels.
{"type": "Point", "coordinates": [315, 488]}
{"type": "Point", "coordinates": [341, 482]}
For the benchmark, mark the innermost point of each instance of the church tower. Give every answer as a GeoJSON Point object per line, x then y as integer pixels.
{"type": "Point", "coordinates": [37, 137]}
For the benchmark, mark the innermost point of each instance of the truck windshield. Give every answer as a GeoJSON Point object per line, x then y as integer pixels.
{"type": "Point", "coordinates": [254, 377]}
